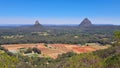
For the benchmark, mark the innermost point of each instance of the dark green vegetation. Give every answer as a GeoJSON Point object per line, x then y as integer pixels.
{"type": "Point", "coordinates": [35, 50]}
{"type": "Point", "coordinates": [58, 34]}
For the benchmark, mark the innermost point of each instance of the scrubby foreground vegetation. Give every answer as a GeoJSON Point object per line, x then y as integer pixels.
{"type": "Point", "coordinates": [107, 58]}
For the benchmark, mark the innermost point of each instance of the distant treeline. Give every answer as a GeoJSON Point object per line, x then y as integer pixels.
{"type": "Point", "coordinates": [58, 34]}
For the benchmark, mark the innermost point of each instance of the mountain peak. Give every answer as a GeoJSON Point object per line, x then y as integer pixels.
{"type": "Point", "coordinates": [37, 23]}
{"type": "Point", "coordinates": [86, 23]}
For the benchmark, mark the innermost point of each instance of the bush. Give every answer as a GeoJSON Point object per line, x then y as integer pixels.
{"type": "Point", "coordinates": [112, 61]}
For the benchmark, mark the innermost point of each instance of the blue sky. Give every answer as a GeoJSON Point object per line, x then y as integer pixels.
{"type": "Point", "coordinates": [59, 11]}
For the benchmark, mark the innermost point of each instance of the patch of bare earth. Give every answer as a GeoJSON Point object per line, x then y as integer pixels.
{"type": "Point", "coordinates": [53, 50]}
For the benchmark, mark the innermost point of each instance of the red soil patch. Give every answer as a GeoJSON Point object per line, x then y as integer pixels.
{"type": "Point", "coordinates": [53, 53]}
{"type": "Point", "coordinates": [62, 47]}
{"type": "Point", "coordinates": [83, 49]}
{"type": "Point", "coordinates": [53, 50]}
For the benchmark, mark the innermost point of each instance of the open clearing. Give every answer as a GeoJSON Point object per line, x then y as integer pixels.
{"type": "Point", "coordinates": [53, 50]}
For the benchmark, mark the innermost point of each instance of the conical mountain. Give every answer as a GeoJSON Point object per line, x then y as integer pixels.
{"type": "Point", "coordinates": [37, 23]}
{"type": "Point", "coordinates": [86, 23]}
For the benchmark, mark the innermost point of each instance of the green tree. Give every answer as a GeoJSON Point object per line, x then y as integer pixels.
{"type": "Point", "coordinates": [7, 61]}
{"type": "Point", "coordinates": [113, 61]}
{"type": "Point", "coordinates": [117, 35]}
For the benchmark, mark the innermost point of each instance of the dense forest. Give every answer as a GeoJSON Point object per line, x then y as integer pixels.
{"type": "Point", "coordinates": [58, 34]}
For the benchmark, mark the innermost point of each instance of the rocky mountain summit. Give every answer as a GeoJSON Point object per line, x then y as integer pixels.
{"type": "Point", "coordinates": [85, 23]}
{"type": "Point", "coordinates": [37, 23]}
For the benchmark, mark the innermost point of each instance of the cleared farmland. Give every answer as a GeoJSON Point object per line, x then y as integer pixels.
{"type": "Point", "coordinates": [53, 50]}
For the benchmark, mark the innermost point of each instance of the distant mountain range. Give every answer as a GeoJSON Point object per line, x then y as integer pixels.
{"type": "Point", "coordinates": [85, 23]}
